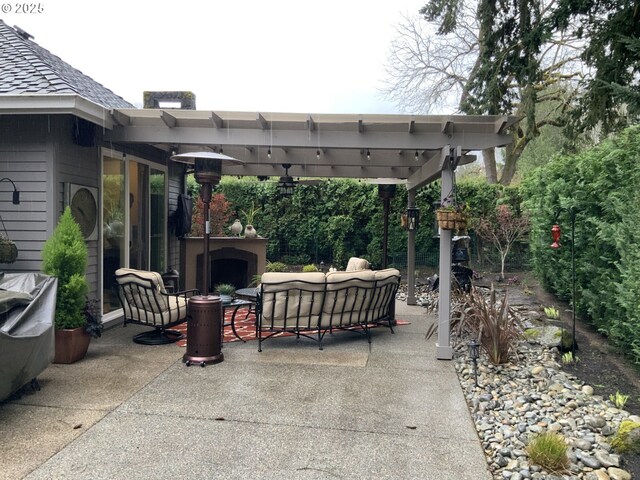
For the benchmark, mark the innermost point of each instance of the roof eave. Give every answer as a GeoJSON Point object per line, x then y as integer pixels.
{"type": "Point", "coordinates": [35, 104]}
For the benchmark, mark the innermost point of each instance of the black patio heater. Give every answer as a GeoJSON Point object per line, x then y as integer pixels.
{"type": "Point", "coordinates": [204, 311]}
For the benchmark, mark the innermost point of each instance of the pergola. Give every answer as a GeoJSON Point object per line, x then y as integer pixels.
{"type": "Point", "coordinates": [412, 149]}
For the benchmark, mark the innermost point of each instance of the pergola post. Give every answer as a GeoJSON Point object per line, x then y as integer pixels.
{"type": "Point", "coordinates": [443, 347]}
{"type": "Point", "coordinates": [411, 254]}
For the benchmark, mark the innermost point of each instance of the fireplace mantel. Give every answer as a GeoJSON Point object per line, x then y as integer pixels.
{"type": "Point", "coordinates": [191, 251]}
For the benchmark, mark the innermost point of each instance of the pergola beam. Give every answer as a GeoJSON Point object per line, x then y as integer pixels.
{"type": "Point", "coordinates": [168, 119]}
{"type": "Point", "coordinates": [262, 122]}
{"type": "Point", "coordinates": [500, 124]}
{"type": "Point", "coordinates": [392, 140]}
{"type": "Point", "coordinates": [120, 118]}
{"type": "Point", "coordinates": [447, 128]}
{"type": "Point", "coordinates": [215, 119]}
{"type": "Point", "coordinates": [311, 125]}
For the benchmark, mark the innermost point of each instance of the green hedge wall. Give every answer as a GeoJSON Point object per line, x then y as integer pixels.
{"type": "Point", "coordinates": [340, 218]}
{"type": "Point", "coordinates": [602, 186]}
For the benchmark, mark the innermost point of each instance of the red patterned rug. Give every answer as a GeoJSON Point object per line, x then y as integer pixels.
{"type": "Point", "coordinates": [245, 326]}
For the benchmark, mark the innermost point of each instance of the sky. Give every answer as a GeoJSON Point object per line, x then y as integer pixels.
{"type": "Point", "coordinates": [299, 56]}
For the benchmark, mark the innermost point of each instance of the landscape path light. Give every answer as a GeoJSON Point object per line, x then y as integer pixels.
{"type": "Point", "coordinates": [474, 354]}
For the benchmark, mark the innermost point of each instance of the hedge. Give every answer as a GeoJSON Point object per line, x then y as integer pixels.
{"type": "Point", "coordinates": [340, 218]}
{"type": "Point", "coordinates": [601, 185]}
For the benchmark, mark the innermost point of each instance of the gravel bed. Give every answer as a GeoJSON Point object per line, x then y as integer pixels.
{"type": "Point", "coordinates": [514, 402]}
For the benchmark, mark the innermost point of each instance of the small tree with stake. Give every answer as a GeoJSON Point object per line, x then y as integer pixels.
{"type": "Point", "coordinates": [503, 228]}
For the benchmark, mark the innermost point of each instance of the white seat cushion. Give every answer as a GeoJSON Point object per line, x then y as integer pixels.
{"type": "Point", "coordinates": [356, 264]}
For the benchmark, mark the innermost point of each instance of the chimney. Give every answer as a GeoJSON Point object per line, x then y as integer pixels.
{"type": "Point", "coordinates": [177, 100]}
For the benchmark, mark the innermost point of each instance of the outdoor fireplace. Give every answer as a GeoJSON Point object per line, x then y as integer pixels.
{"type": "Point", "coordinates": [233, 260]}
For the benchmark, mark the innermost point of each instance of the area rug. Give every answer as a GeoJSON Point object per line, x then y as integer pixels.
{"type": "Point", "coordinates": [246, 327]}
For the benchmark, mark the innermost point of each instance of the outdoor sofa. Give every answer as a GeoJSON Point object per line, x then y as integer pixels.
{"type": "Point", "coordinates": [314, 303]}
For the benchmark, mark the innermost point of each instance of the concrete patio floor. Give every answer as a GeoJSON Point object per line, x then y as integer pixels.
{"type": "Point", "coordinates": [293, 411]}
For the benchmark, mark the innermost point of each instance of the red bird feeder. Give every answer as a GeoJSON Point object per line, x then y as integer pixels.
{"type": "Point", "coordinates": [555, 234]}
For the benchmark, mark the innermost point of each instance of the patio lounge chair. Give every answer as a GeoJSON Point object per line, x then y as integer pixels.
{"type": "Point", "coordinates": [145, 301]}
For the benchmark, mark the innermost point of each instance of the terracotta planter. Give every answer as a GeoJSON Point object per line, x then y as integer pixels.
{"type": "Point", "coordinates": [71, 345]}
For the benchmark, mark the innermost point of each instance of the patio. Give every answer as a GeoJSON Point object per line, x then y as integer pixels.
{"type": "Point", "coordinates": [393, 411]}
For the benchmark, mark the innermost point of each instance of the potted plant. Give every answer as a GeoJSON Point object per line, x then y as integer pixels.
{"type": "Point", "coordinates": [249, 216]}
{"type": "Point", "coordinates": [64, 256]}
{"type": "Point", "coordinates": [225, 290]}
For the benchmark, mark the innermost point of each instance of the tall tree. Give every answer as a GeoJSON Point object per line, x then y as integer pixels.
{"type": "Point", "coordinates": [486, 58]}
{"type": "Point", "coordinates": [611, 33]}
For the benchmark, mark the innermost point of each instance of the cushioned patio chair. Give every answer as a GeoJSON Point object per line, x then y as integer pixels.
{"type": "Point", "coordinates": [145, 301]}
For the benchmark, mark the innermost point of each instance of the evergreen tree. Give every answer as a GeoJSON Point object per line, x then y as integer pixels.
{"type": "Point", "coordinates": [64, 256]}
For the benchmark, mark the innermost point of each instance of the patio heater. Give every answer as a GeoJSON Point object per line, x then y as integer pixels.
{"type": "Point", "coordinates": [204, 324]}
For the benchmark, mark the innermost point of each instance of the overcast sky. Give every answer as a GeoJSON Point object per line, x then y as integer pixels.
{"type": "Point", "coordinates": [281, 55]}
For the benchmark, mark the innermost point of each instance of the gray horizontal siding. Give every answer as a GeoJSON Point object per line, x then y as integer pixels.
{"type": "Point", "coordinates": [24, 154]}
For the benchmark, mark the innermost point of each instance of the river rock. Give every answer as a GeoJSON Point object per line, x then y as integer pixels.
{"type": "Point", "coordinates": [618, 474]}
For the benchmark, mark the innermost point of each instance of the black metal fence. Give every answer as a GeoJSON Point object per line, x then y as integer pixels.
{"type": "Point", "coordinates": [481, 257]}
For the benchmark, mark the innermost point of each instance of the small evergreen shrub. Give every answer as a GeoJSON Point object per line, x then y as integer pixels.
{"type": "Point", "coordinates": [627, 438]}
{"type": "Point", "coordinates": [549, 450]}
{"type": "Point", "coordinates": [310, 268]}
{"type": "Point", "coordinates": [64, 256]}
{"type": "Point", "coordinates": [276, 267]}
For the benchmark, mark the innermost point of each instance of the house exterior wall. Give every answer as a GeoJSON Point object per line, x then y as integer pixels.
{"type": "Point", "coordinates": [26, 157]}
{"type": "Point", "coordinates": [41, 154]}
{"type": "Point", "coordinates": [80, 165]}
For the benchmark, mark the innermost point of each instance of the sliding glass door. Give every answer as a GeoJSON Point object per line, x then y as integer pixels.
{"type": "Point", "coordinates": [134, 221]}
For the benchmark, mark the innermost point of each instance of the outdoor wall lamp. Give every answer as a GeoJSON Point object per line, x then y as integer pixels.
{"type": "Point", "coordinates": [16, 193]}
{"type": "Point", "coordinates": [474, 353]}
{"type": "Point", "coordinates": [556, 232]}
{"type": "Point", "coordinates": [413, 217]}
{"type": "Point", "coordinates": [436, 226]}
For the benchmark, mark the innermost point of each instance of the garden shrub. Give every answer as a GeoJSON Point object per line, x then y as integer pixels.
{"type": "Point", "coordinates": [601, 186]}
{"type": "Point", "coordinates": [64, 256]}
{"type": "Point", "coordinates": [549, 450]}
{"type": "Point", "coordinates": [340, 218]}
{"type": "Point", "coordinates": [627, 438]}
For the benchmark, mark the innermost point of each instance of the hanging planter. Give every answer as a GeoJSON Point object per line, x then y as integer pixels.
{"type": "Point", "coordinates": [8, 249]}
{"type": "Point", "coordinates": [451, 218]}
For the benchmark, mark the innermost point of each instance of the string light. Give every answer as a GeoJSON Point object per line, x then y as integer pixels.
{"type": "Point", "coordinates": [368, 155]}
{"type": "Point", "coordinates": [417, 155]}
{"type": "Point", "coordinates": [269, 154]}
{"type": "Point", "coordinates": [318, 154]}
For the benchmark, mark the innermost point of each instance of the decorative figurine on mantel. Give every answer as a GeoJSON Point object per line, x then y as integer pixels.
{"type": "Point", "coordinates": [236, 228]}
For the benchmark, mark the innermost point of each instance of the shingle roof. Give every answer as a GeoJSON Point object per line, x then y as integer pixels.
{"type": "Point", "coordinates": [27, 68]}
